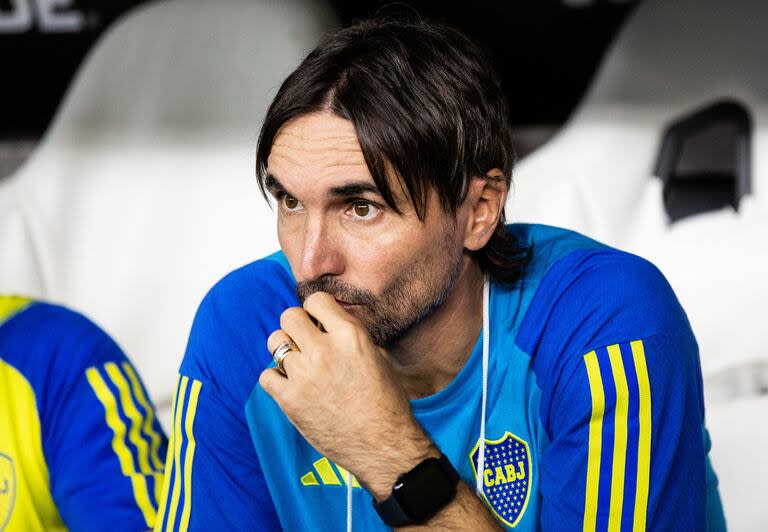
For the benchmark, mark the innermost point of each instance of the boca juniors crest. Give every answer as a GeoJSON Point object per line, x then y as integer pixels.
{"type": "Point", "coordinates": [506, 476]}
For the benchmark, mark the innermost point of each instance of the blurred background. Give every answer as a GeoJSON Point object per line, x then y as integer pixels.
{"type": "Point", "coordinates": [128, 129]}
{"type": "Point", "coordinates": [558, 44]}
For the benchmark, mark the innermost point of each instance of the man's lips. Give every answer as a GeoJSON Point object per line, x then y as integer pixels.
{"type": "Point", "coordinates": [346, 304]}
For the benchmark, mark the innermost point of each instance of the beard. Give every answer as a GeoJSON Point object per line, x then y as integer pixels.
{"type": "Point", "coordinates": [410, 297]}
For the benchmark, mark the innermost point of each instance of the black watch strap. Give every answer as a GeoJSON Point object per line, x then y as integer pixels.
{"type": "Point", "coordinates": [420, 493]}
{"type": "Point", "coordinates": [391, 513]}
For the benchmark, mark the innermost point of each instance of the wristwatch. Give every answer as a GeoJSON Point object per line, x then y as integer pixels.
{"type": "Point", "coordinates": [420, 493]}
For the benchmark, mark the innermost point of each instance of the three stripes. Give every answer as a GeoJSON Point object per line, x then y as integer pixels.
{"type": "Point", "coordinates": [327, 475]}
{"type": "Point", "coordinates": [139, 438]}
{"type": "Point", "coordinates": [178, 485]}
{"type": "Point", "coordinates": [629, 412]}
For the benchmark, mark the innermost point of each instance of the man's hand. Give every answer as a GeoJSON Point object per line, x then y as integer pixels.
{"type": "Point", "coordinates": [341, 393]}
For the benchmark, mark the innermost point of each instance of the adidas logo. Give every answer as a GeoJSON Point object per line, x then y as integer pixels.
{"type": "Point", "coordinates": [327, 475]}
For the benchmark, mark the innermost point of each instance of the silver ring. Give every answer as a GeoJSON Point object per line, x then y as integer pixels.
{"type": "Point", "coordinates": [281, 351]}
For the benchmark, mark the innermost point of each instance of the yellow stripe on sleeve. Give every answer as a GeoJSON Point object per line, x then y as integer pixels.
{"type": "Point", "coordinates": [168, 461]}
{"type": "Point", "coordinates": [595, 441]}
{"type": "Point", "coordinates": [126, 401]}
{"type": "Point", "coordinates": [644, 440]}
{"type": "Point", "coordinates": [190, 453]}
{"type": "Point", "coordinates": [138, 481]}
{"type": "Point", "coordinates": [619, 438]}
{"type": "Point", "coordinates": [177, 441]}
{"type": "Point", "coordinates": [149, 420]}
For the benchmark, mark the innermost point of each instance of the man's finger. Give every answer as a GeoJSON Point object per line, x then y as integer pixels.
{"type": "Point", "coordinates": [275, 340]}
{"type": "Point", "coordinates": [299, 326]}
{"type": "Point", "coordinates": [272, 382]}
{"type": "Point", "coordinates": [325, 309]}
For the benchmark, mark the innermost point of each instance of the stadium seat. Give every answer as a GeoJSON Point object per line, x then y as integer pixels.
{"type": "Point", "coordinates": [142, 193]}
{"type": "Point", "coordinates": [19, 268]}
{"type": "Point", "coordinates": [671, 64]}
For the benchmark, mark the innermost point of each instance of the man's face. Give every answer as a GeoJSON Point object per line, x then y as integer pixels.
{"type": "Point", "coordinates": [390, 270]}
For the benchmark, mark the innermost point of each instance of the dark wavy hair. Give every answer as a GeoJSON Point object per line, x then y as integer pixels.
{"type": "Point", "coordinates": [424, 99]}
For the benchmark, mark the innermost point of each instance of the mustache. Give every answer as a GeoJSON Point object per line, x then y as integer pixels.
{"type": "Point", "coordinates": [339, 289]}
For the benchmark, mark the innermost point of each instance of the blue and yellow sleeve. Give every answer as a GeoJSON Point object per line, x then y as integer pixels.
{"type": "Point", "coordinates": [214, 480]}
{"type": "Point", "coordinates": [628, 443]}
{"type": "Point", "coordinates": [101, 442]}
{"type": "Point", "coordinates": [622, 400]}
{"type": "Point", "coordinates": [125, 424]}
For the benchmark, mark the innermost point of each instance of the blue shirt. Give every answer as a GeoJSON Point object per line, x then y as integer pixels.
{"type": "Point", "coordinates": [595, 412]}
{"type": "Point", "coordinates": [80, 447]}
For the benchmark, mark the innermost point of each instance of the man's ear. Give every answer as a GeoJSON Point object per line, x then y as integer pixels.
{"type": "Point", "coordinates": [485, 204]}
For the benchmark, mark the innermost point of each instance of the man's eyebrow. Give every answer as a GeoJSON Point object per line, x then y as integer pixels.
{"type": "Point", "coordinates": [355, 189]}
{"type": "Point", "coordinates": [274, 186]}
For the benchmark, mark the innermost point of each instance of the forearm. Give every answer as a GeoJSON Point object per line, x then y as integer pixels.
{"type": "Point", "coordinates": [465, 512]}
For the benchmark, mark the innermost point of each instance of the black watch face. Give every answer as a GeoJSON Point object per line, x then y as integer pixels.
{"type": "Point", "coordinates": [424, 490]}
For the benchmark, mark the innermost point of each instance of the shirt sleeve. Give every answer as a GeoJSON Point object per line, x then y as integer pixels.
{"type": "Point", "coordinates": [101, 439]}
{"type": "Point", "coordinates": [628, 445]}
{"type": "Point", "coordinates": [622, 402]}
{"type": "Point", "coordinates": [214, 479]}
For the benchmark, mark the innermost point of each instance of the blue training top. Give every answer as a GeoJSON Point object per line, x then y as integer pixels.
{"type": "Point", "coordinates": [80, 447]}
{"type": "Point", "coordinates": [595, 412]}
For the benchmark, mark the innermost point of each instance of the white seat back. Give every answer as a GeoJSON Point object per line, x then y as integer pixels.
{"type": "Point", "coordinates": [596, 175]}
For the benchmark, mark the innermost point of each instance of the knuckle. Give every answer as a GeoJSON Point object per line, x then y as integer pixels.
{"type": "Point", "coordinates": [264, 381]}
{"type": "Point", "coordinates": [311, 299]}
{"type": "Point", "coordinates": [275, 337]}
{"type": "Point", "coordinates": [290, 316]}
{"type": "Point", "coordinates": [317, 297]}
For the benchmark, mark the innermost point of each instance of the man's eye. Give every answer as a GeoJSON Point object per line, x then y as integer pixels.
{"type": "Point", "coordinates": [290, 203]}
{"type": "Point", "coordinates": [364, 211]}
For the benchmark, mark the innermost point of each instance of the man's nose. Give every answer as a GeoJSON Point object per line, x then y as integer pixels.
{"type": "Point", "coordinates": [321, 252]}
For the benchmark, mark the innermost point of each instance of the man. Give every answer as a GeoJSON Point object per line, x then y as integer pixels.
{"type": "Point", "coordinates": [80, 448]}
{"type": "Point", "coordinates": [433, 367]}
